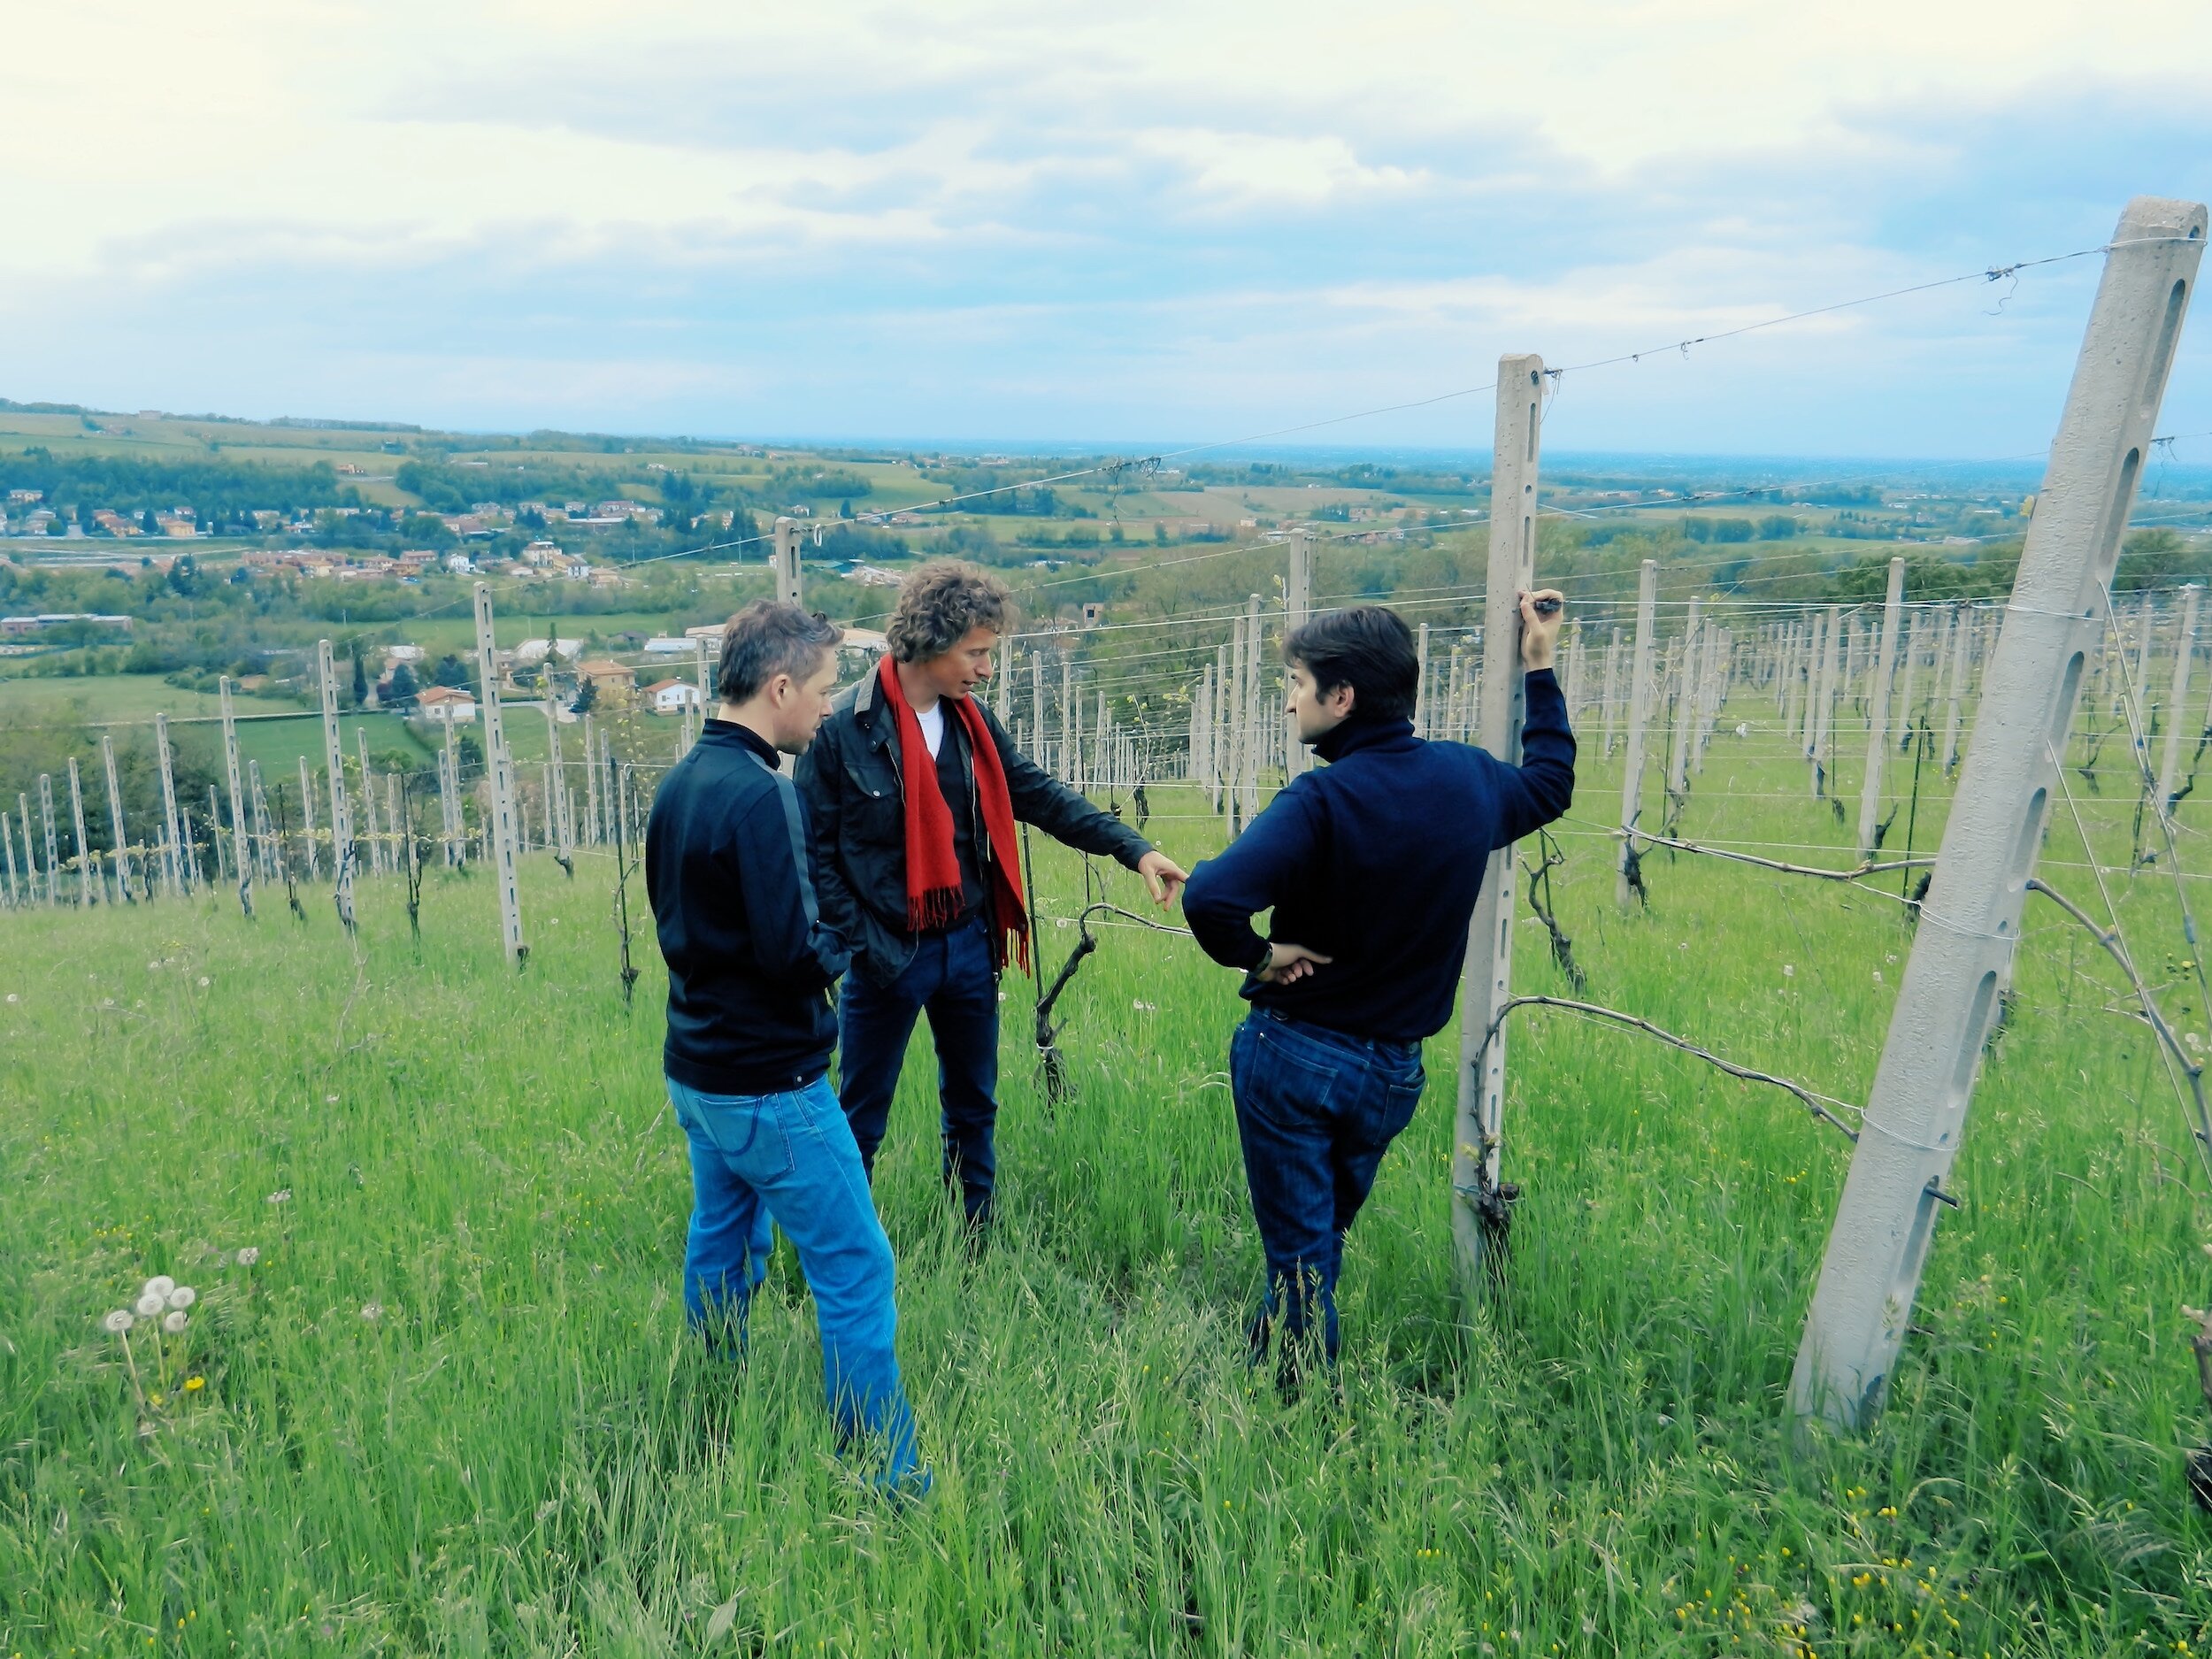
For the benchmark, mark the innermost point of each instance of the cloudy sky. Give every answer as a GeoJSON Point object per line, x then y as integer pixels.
{"type": "Point", "coordinates": [1139, 225]}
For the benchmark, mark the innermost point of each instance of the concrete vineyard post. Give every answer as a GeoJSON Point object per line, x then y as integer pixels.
{"type": "Point", "coordinates": [368, 804]}
{"type": "Point", "coordinates": [1685, 682]}
{"type": "Point", "coordinates": [1962, 636]}
{"type": "Point", "coordinates": [1638, 707]}
{"type": "Point", "coordinates": [7, 861]}
{"type": "Point", "coordinates": [502, 832]}
{"type": "Point", "coordinates": [260, 818]}
{"type": "Point", "coordinates": [1297, 606]}
{"type": "Point", "coordinates": [172, 853]}
{"type": "Point", "coordinates": [342, 848]}
{"type": "Point", "coordinates": [307, 819]}
{"type": "Point", "coordinates": [89, 883]}
{"type": "Point", "coordinates": [1968, 929]}
{"type": "Point", "coordinates": [2177, 696]}
{"type": "Point", "coordinates": [1612, 688]}
{"type": "Point", "coordinates": [1825, 699]}
{"type": "Point", "coordinates": [1002, 690]}
{"type": "Point", "coordinates": [785, 544]}
{"type": "Point", "coordinates": [239, 855]}
{"type": "Point", "coordinates": [1877, 709]}
{"type": "Point", "coordinates": [1480, 1218]}
{"type": "Point", "coordinates": [1421, 682]}
{"type": "Point", "coordinates": [46, 821]}
{"type": "Point", "coordinates": [1255, 724]}
{"type": "Point", "coordinates": [115, 821]}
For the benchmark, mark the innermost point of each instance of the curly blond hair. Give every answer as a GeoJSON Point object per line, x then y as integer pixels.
{"type": "Point", "coordinates": [939, 603]}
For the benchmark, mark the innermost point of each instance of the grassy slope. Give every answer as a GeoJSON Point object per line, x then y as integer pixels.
{"type": "Point", "coordinates": [524, 1455]}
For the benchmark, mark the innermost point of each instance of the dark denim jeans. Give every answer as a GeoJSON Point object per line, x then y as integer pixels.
{"type": "Point", "coordinates": [952, 978]}
{"type": "Point", "coordinates": [791, 1158]}
{"type": "Point", "coordinates": [1316, 1110]}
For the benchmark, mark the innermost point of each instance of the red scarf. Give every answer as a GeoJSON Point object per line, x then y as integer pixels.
{"type": "Point", "coordinates": [932, 866]}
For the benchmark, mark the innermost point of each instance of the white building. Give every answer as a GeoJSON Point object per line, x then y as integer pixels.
{"type": "Point", "coordinates": [447, 703]}
{"type": "Point", "coordinates": [672, 697]}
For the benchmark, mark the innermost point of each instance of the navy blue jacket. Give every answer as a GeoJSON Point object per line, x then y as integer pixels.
{"type": "Point", "coordinates": [730, 878]}
{"type": "Point", "coordinates": [1376, 861]}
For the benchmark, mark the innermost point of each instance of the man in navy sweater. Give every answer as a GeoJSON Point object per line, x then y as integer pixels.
{"type": "Point", "coordinates": [1371, 867]}
{"type": "Point", "coordinates": [750, 964]}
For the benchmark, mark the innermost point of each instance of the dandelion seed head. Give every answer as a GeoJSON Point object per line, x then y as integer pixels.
{"type": "Point", "coordinates": [150, 1304]}
{"type": "Point", "coordinates": [330, 1100]}
{"type": "Point", "coordinates": [248, 1256]}
{"type": "Point", "coordinates": [121, 1320]}
{"type": "Point", "coordinates": [12, 997]}
{"type": "Point", "coordinates": [372, 1311]}
{"type": "Point", "coordinates": [1877, 976]}
{"type": "Point", "coordinates": [182, 1297]}
{"type": "Point", "coordinates": [1788, 972]}
{"type": "Point", "coordinates": [202, 981]}
{"type": "Point", "coordinates": [282, 1195]}
{"type": "Point", "coordinates": [159, 1285]}
{"type": "Point", "coordinates": [175, 1320]}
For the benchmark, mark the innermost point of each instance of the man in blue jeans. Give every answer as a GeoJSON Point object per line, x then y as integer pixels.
{"type": "Point", "coordinates": [915, 790]}
{"type": "Point", "coordinates": [1371, 866]}
{"type": "Point", "coordinates": [750, 964]}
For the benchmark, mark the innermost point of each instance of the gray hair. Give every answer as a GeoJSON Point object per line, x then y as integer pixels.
{"type": "Point", "coordinates": [769, 638]}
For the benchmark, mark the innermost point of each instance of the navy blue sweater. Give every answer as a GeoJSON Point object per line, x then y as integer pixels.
{"type": "Point", "coordinates": [728, 870]}
{"type": "Point", "coordinates": [1376, 861]}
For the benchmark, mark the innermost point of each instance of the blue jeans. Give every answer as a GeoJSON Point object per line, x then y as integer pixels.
{"type": "Point", "coordinates": [1316, 1111]}
{"type": "Point", "coordinates": [953, 978]}
{"type": "Point", "coordinates": [790, 1158]}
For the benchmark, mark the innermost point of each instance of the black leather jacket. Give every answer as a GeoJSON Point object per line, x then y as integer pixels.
{"type": "Point", "coordinates": [850, 778]}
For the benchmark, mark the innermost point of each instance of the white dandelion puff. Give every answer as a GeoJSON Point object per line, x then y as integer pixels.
{"type": "Point", "coordinates": [203, 982]}
{"type": "Point", "coordinates": [282, 1195]}
{"type": "Point", "coordinates": [248, 1256]}
{"type": "Point", "coordinates": [1788, 972]}
{"type": "Point", "coordinates": [372, 1311]}
{"type": "Point", "coordinates": [330, 1100]}
{"type": "Point", "coordinates": [182, 1297]}
{"type": "Point", "coordinates": [1877, 976]}
{"type": "Point", "coordinates": [12, 997]}
{"type": "Point", "coordinates": [150, 1304]}
{"type": "Point", "coordinates": [121, 1320]}
{"type": "Point", "coordinates": [159, 1285]}
{"type": "Point", "coordinates": [174, 1321]}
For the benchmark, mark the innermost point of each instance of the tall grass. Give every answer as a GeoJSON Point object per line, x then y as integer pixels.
{"type": "Point", "coordinates": [451, 1408]}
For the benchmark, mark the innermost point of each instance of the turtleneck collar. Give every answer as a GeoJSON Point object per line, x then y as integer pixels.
{"type": "Point", "coordinates": [1357, 734]}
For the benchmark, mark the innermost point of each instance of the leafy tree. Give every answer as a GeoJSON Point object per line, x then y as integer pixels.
{"type": "Point", "coordinates": [360, 679]}
{"type": "Point", "coordinates": [450, 671]}
{"type": "Point", "coordinates": [401, 688]}
{"type": "Point", "coordinates": [149, 523]}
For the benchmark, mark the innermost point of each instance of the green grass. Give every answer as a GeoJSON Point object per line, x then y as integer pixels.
{"type": "Point", "coordinates": [523, 1453]}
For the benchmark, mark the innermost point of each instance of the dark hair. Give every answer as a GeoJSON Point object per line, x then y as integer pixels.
{"type": "Point", "coordinates": [937, 606]}
{"type": "Point", "coordinates": [769, 638]}
{"type": "Point", "coordinates": [1369, 648]}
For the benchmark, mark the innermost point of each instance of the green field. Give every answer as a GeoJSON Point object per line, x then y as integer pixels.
{"type": "Point", "coordinates": [452, 1410]}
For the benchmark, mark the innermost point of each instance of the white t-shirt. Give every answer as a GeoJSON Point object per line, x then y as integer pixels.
{"type": "Point", "coordinates": [933, 720]}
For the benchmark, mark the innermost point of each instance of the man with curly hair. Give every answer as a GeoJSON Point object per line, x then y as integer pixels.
{"type": "Point", "coordinates": [914, 790]}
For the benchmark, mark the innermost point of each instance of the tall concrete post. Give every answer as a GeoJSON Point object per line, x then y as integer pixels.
{"type": "Point", "coordinates": [11, 894]}
{"type": "Point", "coordinates": [450, 795]}
{"type": "Point", "coordinates": [1297, 606]}
{"type": "Point", "coordinates": [307, 819]}
{"type": "Point", "coordinates": [1421, 682]}
{"type": "Point", "coordinates": [241, 856]}
{"type": "Point", "coordinates": [1612, 688]}
{"type": "Point", "coordinates": [369, 832]}
{"type": "Point", "coordinates": [53, 848]}
{"type": "Point", "coordinates": [1256, 723]}
{"type": "Point", "coordinates": [342, 851]}
{"type": "Point", "coordinates": [1638, 712]}
{"type": "Point", "coordinates": [1962, 645]}
{"type": "Point", "coordinates": [172, 874]}
{"type": "Point", "coordinates": [1685, 696]}
{"type": "Point", "coordinates": [504, 831]}
{"type": "Point", "coordinates": [1962, 953]}
{"type": "Point", "coordinates": [2177, 696]}
{"type": "Point", "coordinates": [88, 882]}
{"type": "Point", "coordinates": [1823, 711]}
{"type": "Point", "coordinates": [1877, 711]}
{"type": "Point", "coordinates": [115, 821]}
{"type": "Point", "coordinates": [787, 560]}
{"type": "Point", "coordinates": [1479, 1216]}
